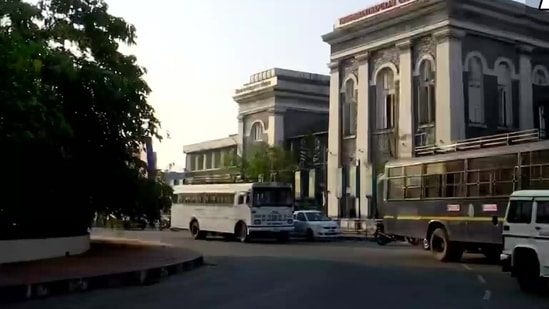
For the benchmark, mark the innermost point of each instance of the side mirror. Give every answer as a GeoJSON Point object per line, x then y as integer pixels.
{"type": "Point", "coordinates": [495, 220]}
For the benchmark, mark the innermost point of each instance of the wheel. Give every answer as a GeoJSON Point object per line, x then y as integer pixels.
{"type": "Point", "coordinates": [283, 237]}
{"type": "Point", "coordinates": [426, 244]}
{"type": "Point", "coordinates": [442, 249]}
{"type": "Point", "coordinates": [195, 230]}
{"type": "Point", "coordinates": [528, 278]}
{"type": "Point", "coordinates": [310, 235]}
{"type": "Point", "coordinates": [241, 233]}
{"type": "Point", "coordinates": [382, 240]}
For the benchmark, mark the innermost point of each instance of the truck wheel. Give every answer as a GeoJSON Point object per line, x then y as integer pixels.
{"type": "Point", "coordinates": [241, 233]}
{"type": "Point", "coordinates": [195, 231]}
{"type": "Point", "coordinates": [442, 249]}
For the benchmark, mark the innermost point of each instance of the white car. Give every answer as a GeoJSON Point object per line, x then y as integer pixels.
{"type": "Point", "coordinates": [314, 224]}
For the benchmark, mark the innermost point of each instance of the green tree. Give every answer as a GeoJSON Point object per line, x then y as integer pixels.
{"type": "Point", "coordinates": [73, 114]}
{"type": "Point", "coordinates": [267, 160]}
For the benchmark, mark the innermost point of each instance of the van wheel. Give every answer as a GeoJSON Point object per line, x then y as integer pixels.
{"type": "Point", "coordinates": [527, 273]}
{"type": "Point", "coordinates": [241, 233]}
{"type": "Point", "coordinates": [196, 232]}
{"type": "Point", "coordinates": [442, 249]}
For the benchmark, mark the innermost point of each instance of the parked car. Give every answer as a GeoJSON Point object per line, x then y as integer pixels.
{"type": "Point", "coordinates": [314, 224]}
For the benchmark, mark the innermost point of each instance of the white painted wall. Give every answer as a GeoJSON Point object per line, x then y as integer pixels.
{"type": "Point", "coordinates": [38, 249]}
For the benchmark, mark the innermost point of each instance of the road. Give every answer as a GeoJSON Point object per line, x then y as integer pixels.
{"type": "Point", "coordinates": [343, 274]}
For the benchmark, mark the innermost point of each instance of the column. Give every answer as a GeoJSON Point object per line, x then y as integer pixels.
{"type": "Point", "coordinates": [240, 138]}
{"type": "Point", "coordinates": [405, 101]}
{"type": "Point", "coordinates": [205, 161]}
{"type": "Point", "coordinates": [362, 135]}
{"type": "Point", "coordinates": [526, 103]}
{"type": "Point", "coordinates": [334, 137]}
{"type": "Point", "coordinates": [450, 109]}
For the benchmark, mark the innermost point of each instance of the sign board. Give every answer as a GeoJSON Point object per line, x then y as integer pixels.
{"type": "Point", "coordinates": [253, 87]}
{"type": "Point", "coordinates": [489, 207]}
{"type": "Point", "coordinates": [453, 207]}
{"type": "Point", "coordinates": [374, 10]}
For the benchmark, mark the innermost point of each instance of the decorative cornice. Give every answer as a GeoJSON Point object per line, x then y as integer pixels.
{"type": "Point", "coordinates": [404, 44]}
{"type": "Point", "coordinates": [448, 33]}
{"type": "Point", "coordinates": [362, 57]}
{"type": "Point", "coordinates": [525, 49]}
{"type": "Point", "coordinates": [333, 66]}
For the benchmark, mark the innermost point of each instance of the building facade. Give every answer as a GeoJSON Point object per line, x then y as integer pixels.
{"type": "Point", "coordinates": [276, 107]}
{"type": "Point", "coordinates": [406, 74]}
{"type": "Point", "coordinates": [276, 104]}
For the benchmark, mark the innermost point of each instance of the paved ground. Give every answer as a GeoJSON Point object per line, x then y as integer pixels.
{"type": "Point", "coordinates": [310, 275]}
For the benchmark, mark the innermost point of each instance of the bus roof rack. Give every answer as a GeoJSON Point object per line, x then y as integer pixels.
{"type": "Point", "coordinates": [497, 140]}
{"type": "Point", "coordinates": [213, 179]}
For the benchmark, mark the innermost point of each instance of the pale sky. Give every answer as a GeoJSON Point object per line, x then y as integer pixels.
{"type": "Point", "coordinates": [198, 51]}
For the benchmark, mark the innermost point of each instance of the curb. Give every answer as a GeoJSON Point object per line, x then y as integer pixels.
{"type": "Point", "coordinates": [151, 275]}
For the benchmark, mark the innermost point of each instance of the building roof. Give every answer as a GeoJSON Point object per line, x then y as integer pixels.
{"type": "Point", "coordinates": [224, 142]}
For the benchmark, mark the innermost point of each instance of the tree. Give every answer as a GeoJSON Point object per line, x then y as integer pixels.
{"type": "Point", "coordinates": [263, 160]}
{"type": "Point", "coordinates": [74, 112]}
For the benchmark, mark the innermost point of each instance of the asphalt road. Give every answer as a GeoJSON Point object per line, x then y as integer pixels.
{"type": "Point", "coordinates": [343, 274]}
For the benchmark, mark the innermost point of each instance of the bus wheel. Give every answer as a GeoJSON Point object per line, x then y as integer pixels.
{"type": "Point", "coordinates": [442, 249]}
{"type": "Point", "coordinates": [242, 232]}
{"type": "Point", "coordinates": [195, 230]}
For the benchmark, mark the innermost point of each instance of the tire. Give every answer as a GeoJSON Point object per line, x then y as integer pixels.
{"type": "Point", "coordinates": [195, 231]}
{"type": "Point", "coordinates": [442, 249]}
{"type": "Point", "coordinates": [528, 277]}
{"type": "Point", "coordinates": [310, 235]}
{"type": "Point", "coordinates": [413, 241]}
{"type": "Point", "coordinates": [241, 233]}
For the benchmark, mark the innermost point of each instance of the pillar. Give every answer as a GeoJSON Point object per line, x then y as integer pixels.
{"type": "Point", "coordinates": [526, 112]}
{"type": "Point", "coordinates": [334, 141]}
{"type": "Point", "coordinates": [450, 109]}
{"type": "Point", "coordinates": [362, 135]}
{"type": "Point", "coordinates": [405, 101]}
{"type": "Point", "coordinates": [240, 138]}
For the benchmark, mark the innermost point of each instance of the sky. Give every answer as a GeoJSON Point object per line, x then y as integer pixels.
{"type": "Point", "coordinates": [198, 51]}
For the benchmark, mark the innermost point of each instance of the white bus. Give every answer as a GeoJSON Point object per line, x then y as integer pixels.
{"type": "Point", "coordinates": [242, 210]}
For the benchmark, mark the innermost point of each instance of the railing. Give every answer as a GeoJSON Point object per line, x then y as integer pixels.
{"type": "Point", "coordinates": [505, 139]}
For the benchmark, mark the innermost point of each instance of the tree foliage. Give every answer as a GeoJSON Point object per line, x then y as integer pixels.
{"type": "Point", "coordinates": [73, 114]}
{"type": "Point", "coordinates": [262, 160]}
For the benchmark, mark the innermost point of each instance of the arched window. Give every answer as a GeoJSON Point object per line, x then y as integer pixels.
{"type": "Point", "coordinates": [505, 97]}
{"type": "Point", "coordinates": [349, 108]}
{"type": "Point", "coordinates": [476, 91]}
{"type": "Point", "coordinates": [257, 132]}
{"type": "Point", "coordinates": [386, 100]}
{"type": "Point", "coordinates": [540, 78]}
{"type": "Point", "coordinates": [426, 94]}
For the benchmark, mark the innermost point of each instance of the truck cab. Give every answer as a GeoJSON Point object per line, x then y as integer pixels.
{"type": "Point", "coordinates": [526, 239]}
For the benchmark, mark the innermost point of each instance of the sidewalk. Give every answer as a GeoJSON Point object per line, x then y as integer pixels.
{"type": "Point", "coordinates": [110, 262]}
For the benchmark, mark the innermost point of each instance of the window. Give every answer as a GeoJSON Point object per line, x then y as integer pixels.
{"type": "Point", "coordinates": [349, 108]}
{"type": "Point", "coordinates": [301, 217]}
{"type": "Point", "coordinates": [519, 211]}
{"type": "Point", "coordinates": [386, 100]}
{"type": "Point", "coordinates": [505, 98]}
{"type": "Point", "coordinates": [542, 118]}
{"type": "Point", "coordinates": [257, 132]}
{"type": "Point", "coordinates": [426, 94]}
{"type": "Point", "coordinates": [476, 91]}
{"type": "Point", "coordinates": [542, 214]}
{"type": "Point", "coordinates": [540, 78]}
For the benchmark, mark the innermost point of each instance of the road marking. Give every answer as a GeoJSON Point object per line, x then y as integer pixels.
{"type": "Point", "coordinates": [487, 295]}
{"type": "Point", "coordinates": [466, 266]}
{"type": "Point", "coordinates": [481, 279]}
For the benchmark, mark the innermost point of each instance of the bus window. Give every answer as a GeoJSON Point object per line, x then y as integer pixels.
{"type": "Point", "coordinates": [395, 172]}
{"type": "Point", "coordinates": [395, 189]}
{"type": "Point", "coordinates": [432, 186]}
{"type": "Point", "coordinates": [413, 187]}
{"type": "Point", "coordinates": [414, 170]}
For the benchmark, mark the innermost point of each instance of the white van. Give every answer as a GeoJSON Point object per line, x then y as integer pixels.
{"type": "Point", "coordinates": [526, 239]}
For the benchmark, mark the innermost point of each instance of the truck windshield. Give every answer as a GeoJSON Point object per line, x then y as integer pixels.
{"type": "Point", "coordinates": [272, 197]}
